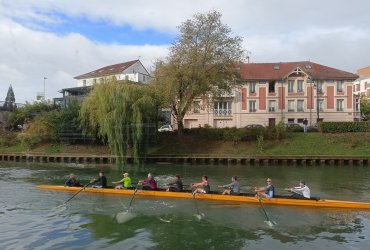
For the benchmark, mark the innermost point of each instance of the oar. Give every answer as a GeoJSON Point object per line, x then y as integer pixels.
{"type": "Point", "coordinates": [199, 216]}
{"type": "Point", "coordinates": [83, 187]}
{"type": "Point", "coordinates": [133, 196]}
{"type": "Point", "coordinates": [268, 221]}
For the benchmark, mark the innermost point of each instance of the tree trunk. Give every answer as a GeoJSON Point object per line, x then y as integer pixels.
{"type": "Point", "coordinates": [180, 124]}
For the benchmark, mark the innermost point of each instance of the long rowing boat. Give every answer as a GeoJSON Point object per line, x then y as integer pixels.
{"type": "Point", "coordinates": [218, 197]}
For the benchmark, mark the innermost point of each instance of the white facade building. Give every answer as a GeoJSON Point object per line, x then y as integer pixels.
{"type": "Point", "coordinates": [132, 71]}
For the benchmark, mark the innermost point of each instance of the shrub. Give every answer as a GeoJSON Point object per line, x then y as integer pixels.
{"type": "Point", "coordinates": [37, 131]}
{"type": "Point", "coordinates": [8, 139]}
{"type": "Point", "coordinates": [344, 127]}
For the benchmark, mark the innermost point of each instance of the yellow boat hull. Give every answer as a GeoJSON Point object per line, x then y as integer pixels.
{"type": "Point", "coordinates": [218, 197]}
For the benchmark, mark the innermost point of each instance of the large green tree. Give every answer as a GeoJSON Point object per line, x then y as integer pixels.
{"type": "Point", "coordinates": [122, 114]}
{"type": "Point", "coordinates": [202, 62]}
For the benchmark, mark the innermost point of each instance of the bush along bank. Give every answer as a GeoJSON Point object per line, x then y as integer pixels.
{"type": "Point", "coordinates": [344, 127]}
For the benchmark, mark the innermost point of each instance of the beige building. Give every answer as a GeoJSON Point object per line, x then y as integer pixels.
{"type": "Point", "coordinates": [271, 92]}
{"type": "Point", "coordinates": [361, 87]}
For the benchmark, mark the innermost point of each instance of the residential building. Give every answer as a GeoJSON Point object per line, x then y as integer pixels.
{"type": "Point", "coordinates": [274, 92]}
{"type": "Point", "coordinates": [361, 88]}
{"type": "Point", "coordinates": [133, 71]}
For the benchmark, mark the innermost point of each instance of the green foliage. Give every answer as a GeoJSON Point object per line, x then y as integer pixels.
{"type": "Point", "coordinates": [280, 130]}
{"type": "Point", "coordinates": [38, 131]}
{"type": "Point", "coordinates": [365, 107]}
{"type": "Point", "coordinates": [8, 139]}
{"type": "Point", "coordinates": [235, 134]}
{"type": "Point", "coordinates": [260, 143]}
{"type": "Point", "coordinates": [344, 127]}
{"type": "Point", "coordinates": [22, 115]}
{"type": "Point", "coordinates": [121, 114]}
{"type": "Point", "coordinates": [201, 62]}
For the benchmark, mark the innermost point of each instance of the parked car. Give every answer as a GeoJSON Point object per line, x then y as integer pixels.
{"type": "Point", "coordinates": [257, 126]}
{"type": "Point", "coordinates": [164, 128]}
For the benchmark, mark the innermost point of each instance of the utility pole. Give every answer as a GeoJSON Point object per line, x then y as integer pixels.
{"type": "Point", "coordinates": [44, 87]}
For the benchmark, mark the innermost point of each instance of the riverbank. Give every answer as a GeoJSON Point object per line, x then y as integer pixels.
{"type": "Point", "coordinates": [295, 144]}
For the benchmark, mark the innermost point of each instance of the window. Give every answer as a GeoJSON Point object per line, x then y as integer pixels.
{"type": "Point", "coordinates": [290, 120]}
{"type": "Point", "coordinates": [126, 77]}
{"type": "Point", "coordinates": [94, 81]}
{"type": "Point", "coordinates": [319, 86]}
{"type": "Point", "coordinates": [252, 87]}
{"type": "Point", "coordinates": [276, 67]}
{"type": "Point", "coordinates": [320, 104]}
{"type": "Point", "coordinates": [271, 87]}
{"type": "Point", "coordinates": [340, 104]}
{"type": "Point", "coordinates": [300, 86]}
{"type": "Point", "coordinates": [290, 105]}
{"type": "Point", "coordinates": [84, 83]}
{"type": "Point", "coordinates": [300, 104]}
{"type": "Point", "coordinates": [300, 120]}
{"type": "Point", "coordinates": [272, 105]}
{"type": "Point", "coordinates": [196, 107]}
{"type": "Point", "coordinates": [339, 86]}
{"type": "Point", "coordinates": [262, 82]}
{"type": "Point", "coordinates": [144, 79]}
{"type": "Point", "coordinates": [252, 106]}
{"type": "Point", "coordinates": [290, 86]}
{"type": "Point", "coordinates": [222, 108]}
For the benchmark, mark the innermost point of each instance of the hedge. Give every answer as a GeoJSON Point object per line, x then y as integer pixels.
{"type": "Point", "coordinates": [236, 134]}
{"type": "Point", "coordinates": [344, 127]}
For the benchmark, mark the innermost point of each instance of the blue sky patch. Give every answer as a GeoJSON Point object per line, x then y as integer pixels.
{"type": "Point", "coordinates": [100, 31]}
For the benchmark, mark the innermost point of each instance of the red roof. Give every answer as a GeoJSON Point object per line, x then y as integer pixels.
{"type": "Point", "coordinates": [107, 70]}
{"type": "Point", "coordinates": [281, 70]}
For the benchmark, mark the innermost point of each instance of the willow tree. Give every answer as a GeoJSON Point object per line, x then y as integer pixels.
{"type": "Point", "coordinates": [122, 115]}
{"type": "Point", "coordinates": [202, 62]}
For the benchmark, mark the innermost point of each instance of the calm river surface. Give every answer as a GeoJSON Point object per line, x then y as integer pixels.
{"type": "Point", "coordinates": [31, 218]}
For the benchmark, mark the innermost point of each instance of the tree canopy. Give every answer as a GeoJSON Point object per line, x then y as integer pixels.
{"type": "Point", "coordinates": [202, 62]}
{"type": "Point", "coordinates": [10, 99]}
{"type": "Point", "coordinates": [123, 115]}
{"type": "Point", "coordinates": [365, 107]}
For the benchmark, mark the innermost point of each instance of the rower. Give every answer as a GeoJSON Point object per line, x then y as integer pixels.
{"type": "Point", "coordinates": [202, 187]}
{"type": "Point", "coordinates": [125, 183]}
{"type": "Point", "coordinates": [72, 181]}
{"type": "Point", "coordinates": [176, 186]}
{"type": "Point", "coordinates": [149, 183]}
{"type": "Point", "coordinates": [268, 191]}
{"type": "Point", "coordinates": [233, 188]}
{"type": "Point", "coordinates": [300, 192]}
{"type": "Point", "coordinates": [101, 181]}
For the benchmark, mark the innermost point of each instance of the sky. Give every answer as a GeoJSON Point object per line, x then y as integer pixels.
{"type": "Point", "coordinates": [61, 39]}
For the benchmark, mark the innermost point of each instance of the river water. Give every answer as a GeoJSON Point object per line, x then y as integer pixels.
{"type": "Point", "coordinates": [31, 218]}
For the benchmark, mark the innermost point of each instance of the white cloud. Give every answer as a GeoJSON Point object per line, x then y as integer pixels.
{"type": "Point", "coordinates": [27, 56]}
{"type": "Point", "coordinates": [326, 32]}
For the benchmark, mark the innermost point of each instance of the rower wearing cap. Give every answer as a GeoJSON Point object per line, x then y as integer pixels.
{"type": "Point", "coordinates": [125, 183]}
{"type": "Point", "coordinates": [300, 192]}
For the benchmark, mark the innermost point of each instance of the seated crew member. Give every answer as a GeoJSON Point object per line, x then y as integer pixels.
{"type": "Point", "coordinates": [176, 186]}
{"type": "Point", "coordinates": [202, 187]}
{"type": "Point", "coordinates": [125, 183]}
{"type": "Point", "coordinates": [101, 181]}
{"type": "Point", "coordinates": [233, 188]}
{"type": "Point", "coordinates": [149, 183]}
{"type": "Point", "coordinates": [268, 191]}
{"type": "Point", "coordinates": [72, 181]}
{"type": "Point", "coordinates": [300, 192]}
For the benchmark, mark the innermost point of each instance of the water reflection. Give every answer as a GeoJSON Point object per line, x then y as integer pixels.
{"type": "Point", "coordinates": [33, 219]}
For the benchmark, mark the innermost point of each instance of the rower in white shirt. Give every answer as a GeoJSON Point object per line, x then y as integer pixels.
{"type": "Point", "coordinates": [300, 192]}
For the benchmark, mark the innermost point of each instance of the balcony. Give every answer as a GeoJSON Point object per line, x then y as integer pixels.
{"type": "Point", "coordinates": [222, 112]}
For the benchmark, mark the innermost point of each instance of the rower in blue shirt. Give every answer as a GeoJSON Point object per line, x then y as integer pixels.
{"type": "Point", "coordinates": [268, 191]}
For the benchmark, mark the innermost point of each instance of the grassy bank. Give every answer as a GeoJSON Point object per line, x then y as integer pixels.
{"type": "Point", "coordinates": [354, 144]}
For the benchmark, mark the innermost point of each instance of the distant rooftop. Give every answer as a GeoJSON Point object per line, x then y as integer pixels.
{"type": "Point", "coordinates": [280, 70]}
{"type": "Point", "coordinates": [107, 70]}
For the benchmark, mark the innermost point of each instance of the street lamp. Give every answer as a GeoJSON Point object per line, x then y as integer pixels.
{"type": "Point", "coordinates": [44, 87]}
